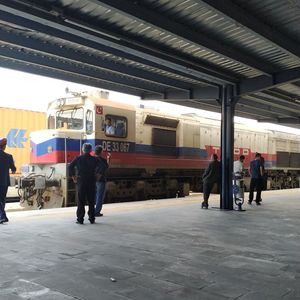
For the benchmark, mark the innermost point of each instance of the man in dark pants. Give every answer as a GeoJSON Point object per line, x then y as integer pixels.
{"type": "Point", "coordinates": [210, 177]}
{"type": "Point", "coordinates": [102, 166]}
{"type": "Point", "coordinates": [82, 170]}
{"type": "Point", "coordinates": [256, 173]}
{"type": "Point", "coordinates": [6, 163]}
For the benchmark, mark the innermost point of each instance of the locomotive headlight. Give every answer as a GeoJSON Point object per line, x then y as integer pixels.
{"type": "Point", "coordinates": [59, 102]}
{"type": "Point", "coordinates": [50, 149]}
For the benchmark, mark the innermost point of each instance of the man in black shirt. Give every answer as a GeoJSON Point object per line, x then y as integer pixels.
{"type": "Point", "coordinates": [6, 163]}
{"type": "Point", "coordinates": [82, 169]}
{"type": "Point", "coordinates": [210, 177]}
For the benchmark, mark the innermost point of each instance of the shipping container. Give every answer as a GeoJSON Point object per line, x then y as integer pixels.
{"type": "Point", "coordinates": [16, 125]}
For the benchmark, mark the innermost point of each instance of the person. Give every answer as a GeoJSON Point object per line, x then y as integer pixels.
{"type": "Point", "coordinates": [238, 166]}
{"type": "Point", "coordinates": [82, 170]}
{"type": "Point", "coordinates": [6, 164]}
{"type": "Point", "coordinates": [264, 179]}
{"type": "Point", "coordinates": [103, 165]}
{"type": "Point", "coordinates": [238, 174]}
{"type": "Point", "coordinates": [256, 172]}
{"type": "Point", "coordinates": [109, 128]}
{"type": "Point", "coordinates": [120, 130]}
{"type": "Point", "coordinates": [210, 177]}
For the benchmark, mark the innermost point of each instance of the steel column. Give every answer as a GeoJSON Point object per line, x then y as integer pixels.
{"type": "Point", "coordinates": [227, 143]}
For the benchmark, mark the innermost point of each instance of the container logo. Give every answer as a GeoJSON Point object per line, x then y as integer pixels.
{"type": "Point", "coordinates": [16, 138]}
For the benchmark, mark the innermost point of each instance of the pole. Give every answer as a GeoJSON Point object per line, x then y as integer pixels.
{"type": "Point", "coordinates": [227, 144]}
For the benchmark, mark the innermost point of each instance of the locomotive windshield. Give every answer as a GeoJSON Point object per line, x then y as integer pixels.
{"type": "Point", "coordinates": [70, 119]}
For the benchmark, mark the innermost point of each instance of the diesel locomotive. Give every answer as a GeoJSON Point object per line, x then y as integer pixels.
{"type": "Point", "coordinates": [154, 154]}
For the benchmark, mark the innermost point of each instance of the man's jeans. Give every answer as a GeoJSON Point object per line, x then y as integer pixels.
{"type": "Point", "coordinates": [100, 192]}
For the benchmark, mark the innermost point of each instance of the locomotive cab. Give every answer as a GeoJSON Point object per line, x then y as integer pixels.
{"type": "Point", "coordinates": [72, 121]}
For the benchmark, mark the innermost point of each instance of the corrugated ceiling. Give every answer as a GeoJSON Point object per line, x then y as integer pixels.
{"type": "Point", "coordinates": [173, 50]}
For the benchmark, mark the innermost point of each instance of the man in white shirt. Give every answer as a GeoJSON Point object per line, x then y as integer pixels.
{"type": "Point", "coordinates": [238, 182]}
{"type": "Point", "coordinates": [238, 166]}
{"type": "Point", "coordinates": [109, 128]}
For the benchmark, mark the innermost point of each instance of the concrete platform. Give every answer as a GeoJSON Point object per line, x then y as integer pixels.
{"type": "Point", "coordinates": [163, 249]}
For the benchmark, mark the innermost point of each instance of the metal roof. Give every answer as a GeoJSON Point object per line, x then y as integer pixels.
{"type": "Point", "coordinates": [178, 51]}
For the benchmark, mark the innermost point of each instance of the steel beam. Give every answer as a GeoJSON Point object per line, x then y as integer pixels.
{"type": "Point", "coordinates": [69, 30]}
{"type": "Point", "coordinates": [259, 83]}
{"type": "Point", "coordinates": [136, 11]}
{"type": "Point", "coordinates": [280, 120]}
{"type": "Point", "coordinates": [91, 61]}
{"type": "Point", "coordinates": [229, 9]}
{"type": "Point", "coordinates": [200, 93]}
{"type": "Point", "coordinates": [282, 94]}
{"type": "Point", "coordinates": [43, 60]}
{"type": "Point", "coordinates": [57, 74]}
{"type": "Point", "coordinates": [270, 105]}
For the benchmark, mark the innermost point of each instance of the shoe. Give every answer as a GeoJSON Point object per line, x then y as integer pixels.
{"type": "Point", "coordinates": [98, 215]}
{"type": "Point", "coordinates": [6, 220]}
{"type": "Point", "coordinates": [2, 221]}
{"type": "Point", "coordinates": [204, 205]}
{"type": "Point", "coordinates": [250, 202]}
{"type": "Point", "coordinates": [92, 221]}
{"type": "Point", "coordinates": [258, 203]}
{"type": "Point", "coordinates": [79, 222]}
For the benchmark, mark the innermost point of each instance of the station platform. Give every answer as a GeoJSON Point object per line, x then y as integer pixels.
{"type": "Point", "coordinates": [158, 249]}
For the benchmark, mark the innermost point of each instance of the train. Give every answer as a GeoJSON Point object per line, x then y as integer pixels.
{"type": "Point", "coordinates": [16, 126]}
{"type": "Point", "coordinates": [154, 154]}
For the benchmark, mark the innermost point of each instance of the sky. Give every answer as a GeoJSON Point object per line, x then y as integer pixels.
{"type": "Point", "coordinates": [32, 92]}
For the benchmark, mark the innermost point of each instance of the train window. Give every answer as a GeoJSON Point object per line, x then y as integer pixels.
{"type": "Point", "coordinates": [283, 159]}
{"type": "Point", "coordinates": [51, 122]}
{"type": "Point", "coordinates": [70, 119]}
{"type": "Point", "coordinates": [89, 122]}
{"type": "Point", "coordinates": [115, 126]}
{"type": "Point", "coordinates": [294, 160]}
{"type": "Point", "coordinates": [163, 137]}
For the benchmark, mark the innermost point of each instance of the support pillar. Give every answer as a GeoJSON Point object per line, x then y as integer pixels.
{"type": "Point", "coordinates": [227, 144]}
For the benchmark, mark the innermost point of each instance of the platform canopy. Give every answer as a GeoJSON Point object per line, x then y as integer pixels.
{"type": "Point", "coordinates": [178, 51]}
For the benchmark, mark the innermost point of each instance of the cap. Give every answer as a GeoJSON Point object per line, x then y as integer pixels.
{"type": "Point", "coordinates": [3, 142]}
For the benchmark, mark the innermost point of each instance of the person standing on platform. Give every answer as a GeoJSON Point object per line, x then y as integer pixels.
{"type": "Point", "coordinates": [256, 173]}
{"type": "Point", "coordinates": [238, 166]}
{"type": "Point", "coordinates": [6, 164]}
{"type": "Point", "coordinates": [264, 178]}
{"type": "Point", "coordinates": [102, 166]}
{"type": "Point", "coordinates": [238, 174]}
{"type": "Point", "coordinates": [210, 177]}
{"type": "Point", "coordinates": [82, 170]}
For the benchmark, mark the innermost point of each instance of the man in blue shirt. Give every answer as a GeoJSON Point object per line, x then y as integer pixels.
{"type": "Point", "coordinates": [102, 166]}
{"type": "Point", "coordinates": [256, 173]}
{"type": "Point", "coordinates": [6, 163]}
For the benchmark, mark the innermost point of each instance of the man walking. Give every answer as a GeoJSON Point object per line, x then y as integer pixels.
{"type": "Point", "coordinates": [210, 177]}
{"type": "Point", "coordinates": [6, 163]}
{"type": "Point", "coordinates": [102, 166]}
{"type": "Point", "coordinates": [256, 173]}
{"type": "Point", "coordinates": [82, 169]}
